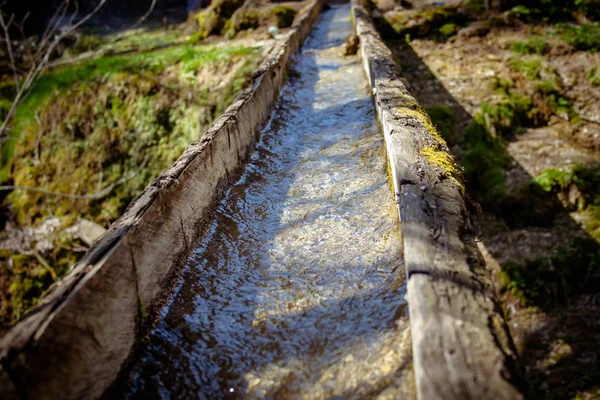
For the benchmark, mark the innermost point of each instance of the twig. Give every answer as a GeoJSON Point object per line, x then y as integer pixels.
{"type": "Point", "coordinates": [145, 16]}
{"type": "Point", "coordinates": [5, 27]}
{"type": "Point", "coordinates": [93, 196]}
{"type": "Point", "coordinates": [37, 70]}
{"type": "Point", "coordinates": [46, 265]}
{"type": "Point", "coordinates": [77, 59]}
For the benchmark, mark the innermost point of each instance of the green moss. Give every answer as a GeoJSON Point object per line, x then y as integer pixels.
{"type": "Point", "coordinates": [533, 45]}
{"type": "Point", "coordinates": [209, 23]}
{"type": "Point", "coordinates": [141, 314]}
{"type": "Point", "coordinates": [252, 17]}
{"type": "Point", "coordinates": [484, 161]}
{"type": "Point", "coordinates": [584, 37]}
{"type": "Point", "coordinates": [530, 65]}
{"type": "Point", "coordinates": [507, 114]}
{"type": "Point", "coordinates": [448, 29]}
{"type": "Point", "coordinates": [444, 160]}
{"type": "Point", "coordinates": [412, 109]}
{"type": "Point", "coordinates": [443, 20]}
{"type": "Point", "coordinates": [62, 79]}
{"type": "Point", "coordinates": [284, 15]}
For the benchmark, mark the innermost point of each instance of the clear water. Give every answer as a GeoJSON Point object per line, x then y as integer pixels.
{"type": "Point", "coordinates": [298, 290]}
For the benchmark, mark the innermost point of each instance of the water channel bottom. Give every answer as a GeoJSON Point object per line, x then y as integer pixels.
{"type": "Point", "coordinates": [298, 289]}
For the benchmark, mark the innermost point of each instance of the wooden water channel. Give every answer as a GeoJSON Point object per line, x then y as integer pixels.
{"type": "Point", "coordinates": [289, 268]}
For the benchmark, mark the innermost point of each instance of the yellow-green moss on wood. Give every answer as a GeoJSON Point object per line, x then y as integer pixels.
{"type": "Point", "coordinates": [444, 160]}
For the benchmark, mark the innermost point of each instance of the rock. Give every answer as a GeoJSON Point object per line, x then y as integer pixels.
{"type": "Point", "coordinates": [274, 31]}
{"type": "Point", "coordinates": [351, 45]}
{"type": "Point", "coordinates": [88, 231]}
{"type": "Point", "coordinates": [478, 28]}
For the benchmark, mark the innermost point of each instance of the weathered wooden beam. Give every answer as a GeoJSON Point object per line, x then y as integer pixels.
{"type": "Point", "coordinates": [75, 343]}
{"type": "Point", "coordinates": [462, 348]}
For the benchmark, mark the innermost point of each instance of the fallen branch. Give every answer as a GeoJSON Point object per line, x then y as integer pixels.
{"type": "Point", "coordinates": [95, 196]}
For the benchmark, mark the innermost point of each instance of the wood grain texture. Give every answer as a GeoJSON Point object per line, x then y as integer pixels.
{"type": "Point", "coordinates": [462, 348]}
{"type": "Point", "coordinates": [75, 343]}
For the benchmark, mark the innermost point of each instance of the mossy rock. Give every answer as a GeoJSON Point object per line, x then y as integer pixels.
{"type": "Point", "coordinates": [284, 16]}
{"type": "Point", "coordinates": [443, 20]}
{"type": "Point", "coordinates": [209, 23]}
{"type": "Point", "coordinates": [225, 8]}
{"type": "Point", "coordinates": [252, 17]}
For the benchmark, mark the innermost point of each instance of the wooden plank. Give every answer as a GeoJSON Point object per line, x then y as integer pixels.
{"type": "Point", "coordinates": [75, 343]}
{"type": "Point", "coordinates": [462, 348]}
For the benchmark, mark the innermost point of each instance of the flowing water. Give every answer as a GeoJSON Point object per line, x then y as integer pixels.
{"type": "Point", "coordinates": [298, 289]}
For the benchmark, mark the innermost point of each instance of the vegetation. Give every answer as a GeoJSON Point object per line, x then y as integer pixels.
{"type": "Point", "coordinates": [533, 45]}
{"type": "Point", "coordinates": [555, 10]}
{"type": "Point", "coordinates": [584, 37]}
{"type": "Point", "coordinates": [86, 126]}
{"type": "Point", "coordinates": [584, 182]}
{"type": "Point", "coordinates": [281, 16]}
{"type": "Point", "coordinates": [544, 234]}
{"type": "Point", "coordinates": [438, 21]}
{"type": "Point", "coordinates": [547, 281]}
{"type": "Point", "coordinates": [231, 16]}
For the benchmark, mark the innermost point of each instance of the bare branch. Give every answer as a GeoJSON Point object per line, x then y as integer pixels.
{"type": "Point", "coordinates": [145, 16]}
{"type": "Point", "coordinates": [46, 265]}
{"type": "Point", "coordinates": [95, 196]}
{"type": "Point", "coordinates": [87, 17]}
{"type": "Point", "coordinates": [5, 28]}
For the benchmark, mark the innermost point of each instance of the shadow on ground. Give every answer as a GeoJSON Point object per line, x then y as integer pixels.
{"type": "Point", "coordinates": [552, 301]}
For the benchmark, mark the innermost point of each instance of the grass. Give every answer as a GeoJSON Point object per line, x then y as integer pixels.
{"type": "Point", "coordinates": [533, 45]}
{"type": "Point", "coordinates": [585, 178]}
{"type": "Point", "coordinates": [188, 57]}
{"type": "Point", "coordinates": [85, 126]}
{"type": "Point", "coordinates": [543, 79]}
{"type": "Point", "coordinates": [554, 10]}
{"type": "Point", "coordinates": [484, 161]}
{"type": "Point", "coordinates": [507, 115]}
{"type": "Point", "coordinates": [585, 37]}
{"type": "Point", "coordinates": [593, 76]}
{"type": "Point", "coordinates": [551, 280]}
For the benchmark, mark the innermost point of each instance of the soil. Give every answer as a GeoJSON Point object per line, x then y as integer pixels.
{"type": "Point", "coordinates": [557, 340]}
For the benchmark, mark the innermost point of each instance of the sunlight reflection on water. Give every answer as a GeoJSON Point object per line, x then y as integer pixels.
{"type": "Point", "coordinates": [298, 290]}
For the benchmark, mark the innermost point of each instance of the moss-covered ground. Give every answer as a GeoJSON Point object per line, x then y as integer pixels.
{"type": "Point", "coordinates": [128, 113]}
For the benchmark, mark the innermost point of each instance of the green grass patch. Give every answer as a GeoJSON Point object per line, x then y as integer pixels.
{"type": "Point", "coordinates": [584, 37]}
{"type": "Point", "coordinates": [554, 10]}
{"type": "Point", "coordinates": [551, 280]}
{"type": "Point", "coordinates": [189, 58]}
{"type": "Point", "coordinates": [585, 178]}
{"type": "Point", "coordinates": [484, 162]}
{"type": "Point", "coordinates": [507, 115]}
{"type": "Point", "coordinates": [448, 29]}
{"type": "Point", "coordinates": [531, 65]}
{"type": "Point", "coordinates": [593, 76]}
{"type": "Point", "coordinates": [533, 45]}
